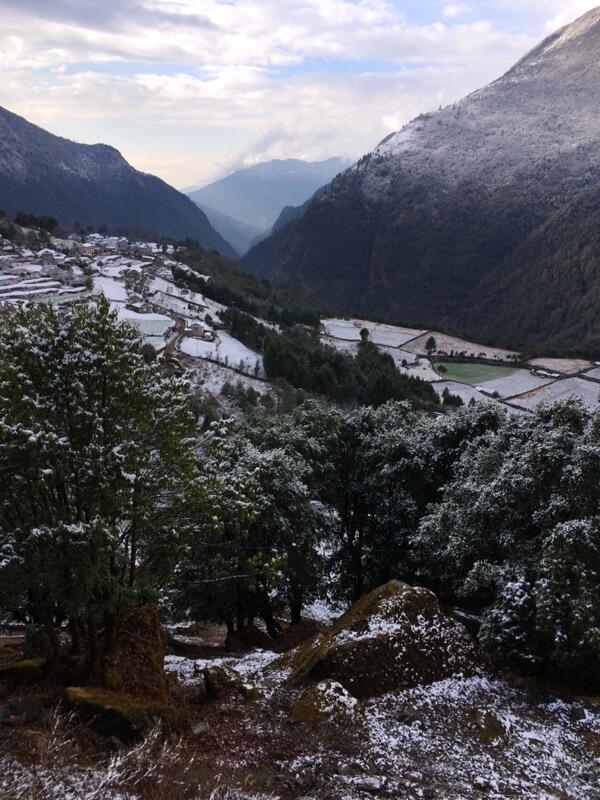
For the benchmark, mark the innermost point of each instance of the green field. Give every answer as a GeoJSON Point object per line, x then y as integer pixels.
{"type": "Point", "coordinates": [471, 373]}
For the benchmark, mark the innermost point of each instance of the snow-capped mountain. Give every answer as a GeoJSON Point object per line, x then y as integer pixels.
{"type": "Point", "coordinates": [484, 216]}
{"type": "Point", "coordinates": [91, 184]}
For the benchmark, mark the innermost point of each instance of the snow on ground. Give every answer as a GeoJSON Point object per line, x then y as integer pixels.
{"type": "Point", "coordinates": [468, 738]}
{"type": "Point", "coordinates": [149, 324]}
{"type": "Point", "coordinates": [187, 670]}
{"type": "Point", "coordinates": [213, 307]}
{"type": "Point", "coordinates": [399, 356]}
{"type": "Point", "coordinates": [566, 366]}
{"type": "Point", "coordinates": [594, 373]}
{"type": "Point", "coordinates": [212, 377]}
{"type": "Point", "coordinates": [111, 289]}
{"type": "Point", "coordinates": [324, 612]}
{"type": "Point", "coordinates": [422, 369]}
{"type": "Point", "coordinates": [226, 350]}
{"type": "Point", "coordinates": [379, 333]}
{"type": "Point", "coordinates": [448, 344]}
{"type": "Point", "coordinates": [518, 382]}
{"type": "Point", "coordinates": [350, 347]}
{"type": "Point", "coordinates": [462, 390]}
{"type": "Point", "coordinates": [587, 391]}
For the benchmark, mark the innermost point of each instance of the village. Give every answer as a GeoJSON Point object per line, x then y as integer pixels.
{"type": "Point", "coordinates": [137, 278]}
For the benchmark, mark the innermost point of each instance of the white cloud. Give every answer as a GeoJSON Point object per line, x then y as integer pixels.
{"type": "Point", "coordinates": [566, 11]}
{"type": "Point", "coordinates": [455, 9]}
{"type": "Point", "coordinates": [188, 87]}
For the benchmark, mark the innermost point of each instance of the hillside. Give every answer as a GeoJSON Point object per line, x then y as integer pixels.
{"type": "Point", "coordinates": [256, 195]}
{"type": "Point", "coordinates": [239, 234]}
{"type": "Point", "coordinates": [91, 184]}
{"type": "Point", "coordinates": [465, 215]}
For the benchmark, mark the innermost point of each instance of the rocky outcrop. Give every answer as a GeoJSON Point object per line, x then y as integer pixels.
{"type": "Point", "coordinates": [117, 714]}
{"type": "Point", "coordinates": [220, 680]}
{"type": "Point", "coordinates": [393, 638]}
{"type": "Point", "coordinates": [325, 701]}
{"type": "Point", "coordinates": [134, 697]}
{"type": "Point", "coordinates": [248, 638]}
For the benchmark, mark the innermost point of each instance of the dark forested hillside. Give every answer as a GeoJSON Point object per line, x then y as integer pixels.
{"type": "Point", "coordinates": [92, 185]}
{"type": "Point", "coordinates": [472, 213]}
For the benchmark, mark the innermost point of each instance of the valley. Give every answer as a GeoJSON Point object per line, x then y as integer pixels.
{"type": "Point", "coordinates": [138, 280]}
{"type": "Point", "coordinates": [299, 465]}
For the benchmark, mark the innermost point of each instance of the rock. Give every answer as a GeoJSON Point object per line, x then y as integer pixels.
{"type": "Point", "coordinates": [185, 648]}
{"type": "Point", "coordinates": [135, 666]}
{"type": "Point", "coordinates": [327, 700]}
{"type": "Point", "coordinates": [249, 638]}
{"type": "Point", "coordinates": [393, 638]}
{"type": "Point", "coordinates": [250, 691]}
{"type": "Point", "coordinates": [200, 728]}
{"type": "Point", "coordinates": [369, 783]}
{"type": "Point", "coordinates": [119, 715]}
{"type": "Point", "coordinates": [221, 680]}
{"type": "Point", "coordinates": [486, 726]}
{"type": "Point", "coordinates": [19, 673]}
{"type": "Point", "coordinates": [305, 780]}
{"type": "Point", "coordinates": [295, 635]}
{"type": "Point", "coordinates": [4, 691]}
{"type": "Point", "coordinates": [23, 711]}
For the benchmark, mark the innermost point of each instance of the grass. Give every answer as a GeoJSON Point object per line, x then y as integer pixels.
{"type": "Point", "coordinates": [471, 373]}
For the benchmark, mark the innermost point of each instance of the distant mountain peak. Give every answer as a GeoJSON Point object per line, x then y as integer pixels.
{"type": "Point", "coordinates": [255, 195]}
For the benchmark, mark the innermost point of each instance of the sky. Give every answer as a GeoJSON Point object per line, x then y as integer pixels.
{"type": "Point", "coordinates": [192, 89]}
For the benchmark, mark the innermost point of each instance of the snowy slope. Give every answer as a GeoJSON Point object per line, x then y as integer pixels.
{"type": "Point", "coordinates": [481, 216]}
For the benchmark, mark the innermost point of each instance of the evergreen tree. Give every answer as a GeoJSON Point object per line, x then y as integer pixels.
{"type": "Point", "coordinates": [95, 451]}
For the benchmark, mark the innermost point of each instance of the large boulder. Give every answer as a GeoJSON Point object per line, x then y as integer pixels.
{"type": "Point", "coordinates": [32, 670]}
{"type": "Point", "coordinates": [248, 638]}
{"type": "Point", "coordinates": [117, 714]}
{"type": "Point", "coordinates": [393, 638]}
{"type": "Point", "coordinates": [328, 701]}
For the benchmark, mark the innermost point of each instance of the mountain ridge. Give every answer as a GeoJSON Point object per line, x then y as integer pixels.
{"type": "Point", "coordinates": [91, 184]}
{"type": "Point", "coordinates": [256, 195]}
{"type": "Point", "coordinates": [419, 227]}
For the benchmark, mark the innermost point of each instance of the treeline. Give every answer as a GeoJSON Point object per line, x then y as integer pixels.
{"type": "Point", "coordinates": [41, 226]}
{"type": "Point", "coordinates": [368, 378]}
{"type": "Point", "coordinates": [233, 287]}
{"type": "Point", "coordinates": [299, 357]}
{"type": "Point", "coordinates": [497, 514]}
{"type": "Point", "coordinates": [110, 495]}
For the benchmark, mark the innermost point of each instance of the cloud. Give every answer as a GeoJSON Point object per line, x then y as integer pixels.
{"type": "Point", "coordinates": [187, 88]}
{"type": "Point", "coordinates": [455, 9]}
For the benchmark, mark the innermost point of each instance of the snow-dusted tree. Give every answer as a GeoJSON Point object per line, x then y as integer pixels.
{"type": "Point", "coordinates": [567, 599]}
{"type": "Point", "coordinates": [257, 526]}
{"type": "Point", "coordinates": [517, 535]}
{"type": "Point", "coordinates": [95, 451]}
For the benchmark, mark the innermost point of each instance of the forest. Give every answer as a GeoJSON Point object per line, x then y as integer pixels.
{"type": "Point", "coordinates": [110, 496]}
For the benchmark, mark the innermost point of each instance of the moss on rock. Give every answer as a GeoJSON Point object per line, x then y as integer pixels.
{"type": "Point", "coordinates": [391, 639]}
{"type": "Point", "coordinates": [121, 715]}
{"type": "Point", "coordinates": [26, 672]}
{"type": "Point", "coordinates": [327, 700]}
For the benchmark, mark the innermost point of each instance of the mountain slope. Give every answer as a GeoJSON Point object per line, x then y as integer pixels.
{"type": "Point", "coordinates": [91, 184]}
{"type": "Point", "coordinates": [256, 195]}
{"type": "Point", "coordinates": [239, 234]}
{"type": "Point", "coordinates": [453, 219]}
